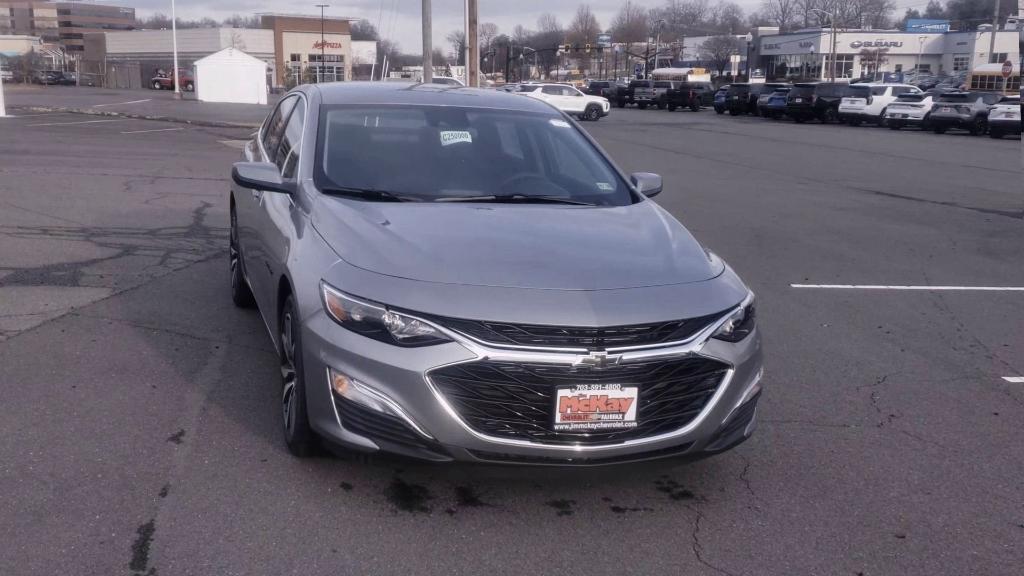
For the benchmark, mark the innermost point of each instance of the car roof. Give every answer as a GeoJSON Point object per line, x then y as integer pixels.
{"type": "Point", "coordinates": [423, 94]}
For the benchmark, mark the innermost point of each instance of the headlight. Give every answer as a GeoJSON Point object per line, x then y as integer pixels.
{"type": "Point", "coordinates": [739, 324]}
{"type": "Point", "coordinates": [376, 321]}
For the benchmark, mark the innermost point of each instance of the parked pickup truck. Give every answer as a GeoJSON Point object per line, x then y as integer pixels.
{"type": "Point", "coordinates": [641, 93]}
{"type": "Point", "coordinates": [692, 95]}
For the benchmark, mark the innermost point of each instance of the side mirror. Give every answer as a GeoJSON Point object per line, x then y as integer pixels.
{"type": "Point", "coordinates": [263, 176]}
{"type": "Point", "coordinates": [646, 183]}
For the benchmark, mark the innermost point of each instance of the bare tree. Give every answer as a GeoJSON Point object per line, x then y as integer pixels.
{"type": "Point", "coordinates": [584, 27]}
{"type": "Point", "coordinates": [717, 51]}
{"type": "Point", "coordinates": [457, 38]}
{"type": "Point", "coordinates": [486, 33]}
{"type": "Point", "coordinates": [364, 30]}
{"type": "Point", "coordinates": [872, 59]}
{"type": "Point", "coordinates": [550, 34]}
{"type": "Point", "coordinates": [630, 24]}
{"type": "Point", "coordinates": [727, 17]}
{"type": "Point", "coordinates": [781, 13]}
{"type": "Point", "coordinates": [548, 22]}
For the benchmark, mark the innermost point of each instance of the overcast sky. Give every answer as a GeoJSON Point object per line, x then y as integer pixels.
{"type": "Point", "coordinates": [401, 18]}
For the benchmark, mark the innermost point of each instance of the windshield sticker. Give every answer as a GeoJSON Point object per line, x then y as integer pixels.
{"type": "Point", "coordinates": [449, 137]}
{"type": "Point", "coordinates": [605, 186]}
{"type": "Point", "coordinates": [559, 123]}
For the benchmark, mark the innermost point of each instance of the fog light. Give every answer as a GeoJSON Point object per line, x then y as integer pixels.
{"type": "Point", "coordinates": [355, 391]}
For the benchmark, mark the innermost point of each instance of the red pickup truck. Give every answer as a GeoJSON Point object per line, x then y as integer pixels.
{"type": "Point", "coordinates": [163, 81]}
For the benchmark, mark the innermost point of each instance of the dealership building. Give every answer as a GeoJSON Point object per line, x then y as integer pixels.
{"type": "Point", "coordinates": [807, 53]}
{"type": "Point", "coordinates": [294, 48]}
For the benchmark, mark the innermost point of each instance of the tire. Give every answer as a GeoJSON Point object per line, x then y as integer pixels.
{"type": "Point", "coordinates": [592, 114]}
{"type": "Point", "coordinates": [642, 105]}
{"type": "Point", "coordinates": [895, 126]}
{"type": "Point", "coordinates": [799, 119]}
{"type": "Point", "coordinates": [661, 105]}
{"type": "Point", "coordinates": [672, 107]}
{"type": "Point", "coordinates": [157, 85]}
{"type": "Point", "coordinates": [695, 107]}
{"type": "Point", "coordinates": [853, 122]}
{"type": "Point", "coordinates": [978, 127]}
{"type": "Point", "coordinates": [621, 103]}
{"type": "Point", "coordinates": [298, 435]}
{"type": "Point", "coordinates": [734, 112]}
{"type": "Point", "coordinates": [939, 129]}
{"type": "Point", "coordinates": [719, 111]}
{"type": "Point", "coordinates": [241, 294]}
{"type": "Point", "coordinates": [995, 133]}
{"type": "Point", "coordinates": [829, 117]}
{"type": "Point", "coordinates": [881, 118]}
{"type": "Point", "coordinates": [190, 87]}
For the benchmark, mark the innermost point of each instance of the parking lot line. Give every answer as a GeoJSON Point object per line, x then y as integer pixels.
{"type": "Point", "coordinates": [155, 130]}
{"type": "Point", "coordinates": [121, 103]}
{"type": "Point", "coordinates": [1014, 379]}
{"type": "Point", "coordinates": [74, 123]}
{"type": "Point", "coordinates": [883, 287]}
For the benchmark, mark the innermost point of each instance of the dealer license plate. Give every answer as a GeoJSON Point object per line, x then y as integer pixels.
{"type": "Point", "coordinates": [587, 407]}
{"type": "Point", "coordinates": [798, 100]}
{"type": "Point", "coordinates": [947, 109]}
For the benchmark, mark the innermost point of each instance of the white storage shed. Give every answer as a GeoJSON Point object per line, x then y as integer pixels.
{"type": "Point", "coordinates": [231, 76]}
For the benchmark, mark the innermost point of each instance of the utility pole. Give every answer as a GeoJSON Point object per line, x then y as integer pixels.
{"type": "Point", "coordinates": [3, 108]}
{"type": "Point", "coordinates": [174, 46]}
{"type": "Point", "coordinates": [323, 44]}
{"type": "Point", "coordinates": [992, 41]}
{"type": "Point", "coordinates": [428, 45]}
{"type": "Point", "coordinates": [472, 42]}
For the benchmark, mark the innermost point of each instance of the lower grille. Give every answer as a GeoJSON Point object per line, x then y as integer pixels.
{"type": "Point", "coordinates": [514, 400]}
{"type": "Point", "coordinates": [501, 457]}
{"type": "Point", "coordinates": [376, 426]}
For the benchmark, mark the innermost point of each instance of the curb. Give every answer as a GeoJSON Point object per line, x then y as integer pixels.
{"type": "Point", "coordinates": [92, 112]}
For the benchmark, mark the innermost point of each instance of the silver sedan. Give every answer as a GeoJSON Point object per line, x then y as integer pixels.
{"type": "Point", "coordinates": [457, 274]}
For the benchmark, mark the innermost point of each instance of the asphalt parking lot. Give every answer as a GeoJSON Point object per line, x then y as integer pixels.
{"type": "Point", "coordinates": [142, 430]}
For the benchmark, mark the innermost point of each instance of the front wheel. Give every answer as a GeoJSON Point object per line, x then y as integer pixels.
{"type": "Point", "coordinates": [157, 85]}
{"type": "Point", "coordinates": [241, 294]}
{"type": "Point", "coordinates": [298, 435]}
{"type": "Point", "coordinates": [592, 114]}
{"type": "Point", "coordinates": [978, 127]}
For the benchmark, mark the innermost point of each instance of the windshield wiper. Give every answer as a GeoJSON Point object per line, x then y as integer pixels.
{"type": "Point", "coordinates": [367, 194]}
{"type": "Point", "coordinates": [515, 199]}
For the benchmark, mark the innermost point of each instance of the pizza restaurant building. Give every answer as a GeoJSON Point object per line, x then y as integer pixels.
{"type": "Point", "coordinates": [807, 54]}
{"type": "Point", "coordinates": [303, 54]}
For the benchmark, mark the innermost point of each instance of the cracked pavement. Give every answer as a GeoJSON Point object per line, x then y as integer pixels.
{"type": "Point", "coordinates": [142, 435]}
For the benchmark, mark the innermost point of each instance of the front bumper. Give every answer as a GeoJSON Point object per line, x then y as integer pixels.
{"type": "Point", "coordinates": [403, 375]}
{"type": "Point", "coordinates": [1005, 125]}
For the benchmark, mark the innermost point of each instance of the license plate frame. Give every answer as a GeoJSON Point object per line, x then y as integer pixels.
{"type": "Point", "coordinates": [583, 408]}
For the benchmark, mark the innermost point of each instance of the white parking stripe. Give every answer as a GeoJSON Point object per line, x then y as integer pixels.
{"type": "Point", "coordinates": [1014, 379]}
{"type": "Point", "coordinates": [148, 131]}
{"type": "Point", "coordinates": [121, 103]}
{"type": "Point", "coordinates": [883, 287]}
{"type": "Point", "coordinates": [74, 123]}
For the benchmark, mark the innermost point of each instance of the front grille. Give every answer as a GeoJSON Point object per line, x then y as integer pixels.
{"type": "Point", "coordinates": [516, 400]}
{"type": "Point", "coordinates": [582, 460]}
{"type": "Point", "coordinates": [545, 336]}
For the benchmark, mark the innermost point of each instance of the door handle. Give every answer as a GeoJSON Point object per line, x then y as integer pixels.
{"type": "Point", "coordinates": [255, 194]}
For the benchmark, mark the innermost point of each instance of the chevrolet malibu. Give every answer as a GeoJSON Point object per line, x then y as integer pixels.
{"type": "Point", "coordinates": [457, 274]}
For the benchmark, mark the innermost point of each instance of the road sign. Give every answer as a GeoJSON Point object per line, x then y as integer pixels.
{"type": "Point", "coordinates": [638, 69]}
{"type": "Point", "coordinates": [1007, 69]}
{"type": "Point", "coordinates": [604, 40]}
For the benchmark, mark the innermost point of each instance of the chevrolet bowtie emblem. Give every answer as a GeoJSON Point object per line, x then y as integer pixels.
{"type": "Point", "coordinates": [597, 360]}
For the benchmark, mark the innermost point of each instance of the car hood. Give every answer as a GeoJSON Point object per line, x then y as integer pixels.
{"type": "Point", "coordinates": [515, 246]}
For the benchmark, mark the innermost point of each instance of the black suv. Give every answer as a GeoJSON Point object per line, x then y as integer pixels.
{"type": "Point", "coordinates": [816, 101]}
{"type": "Point", "coordinates": [692, 95]}
{"type": "Point", "coordinates": [741, 98]}
{"type": "Point", "coordinates": [965, 110]}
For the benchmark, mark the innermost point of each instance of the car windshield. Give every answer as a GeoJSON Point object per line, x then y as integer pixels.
{"type": "Point", "coordinates": [440, 153]}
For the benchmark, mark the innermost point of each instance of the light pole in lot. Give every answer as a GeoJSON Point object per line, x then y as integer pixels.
{"type": "Point", "coordinates": [174, 46]}
{"type": "Point", "coordinates": [3, 108]}
{"type": "Point", "coordinates": [832, 50]}
{"type": "Point", "coordinates": [323, 44]}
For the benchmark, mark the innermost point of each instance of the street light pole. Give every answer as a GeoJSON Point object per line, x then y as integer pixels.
{"type": "Point", "coordinates": [832, 50]}
{"type": "Point", "coordinates": [3, 108]}
{"type": "Point", "coordinates": [428, 44]}
{"type": "Point", "coordinates": [174, 46]}
{"type": "Point", "coordinates": [920, 49]}
{"type": "Point", "coordinates": [323, 44]}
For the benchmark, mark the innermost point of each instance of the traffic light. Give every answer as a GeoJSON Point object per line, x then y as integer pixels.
{"type": "Point", "coordinates": [588, 47]}
{"type": "Point", "coordinates": [567, 48]}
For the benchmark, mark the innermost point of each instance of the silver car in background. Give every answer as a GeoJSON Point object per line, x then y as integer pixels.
{"type": "Point", "coordinates": [458, 274]}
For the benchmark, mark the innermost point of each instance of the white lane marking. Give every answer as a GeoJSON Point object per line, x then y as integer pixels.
{"type": "Point", "coordinates": [122, 103]}
{"type": "Point", "coordinates": [1014, 379]}
{"type": "Point", "coordinates": [37, 115]}
{"type": "Point", "coordinates": [882, 287]}
{"type": "Point", "coordinates": [74, 123]}
{"type": "Point", "coordinates": [148, 131]}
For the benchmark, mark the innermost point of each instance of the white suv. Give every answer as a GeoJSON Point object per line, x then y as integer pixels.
{"type": "Point", "coordinates": [568, 100]}
{"type": "Point", "coordinates": [1004, 117]}
{"type": "Point", "coordinates": [868, 102]}
{"type": "Point", "coordinates": [910, 110]}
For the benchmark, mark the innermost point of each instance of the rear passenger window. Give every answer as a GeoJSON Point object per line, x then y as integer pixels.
{"type": "Point", "coordinates": [274, 130]}
{"type": "Point", "coordinates": [287, 158]}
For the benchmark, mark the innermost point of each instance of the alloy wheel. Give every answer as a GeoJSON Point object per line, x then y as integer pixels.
{"type": "Point", "coordinates": [288, 374]}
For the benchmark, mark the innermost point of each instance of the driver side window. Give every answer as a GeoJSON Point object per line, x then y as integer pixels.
{"type": "Point", "coordinates": [274, 130]}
